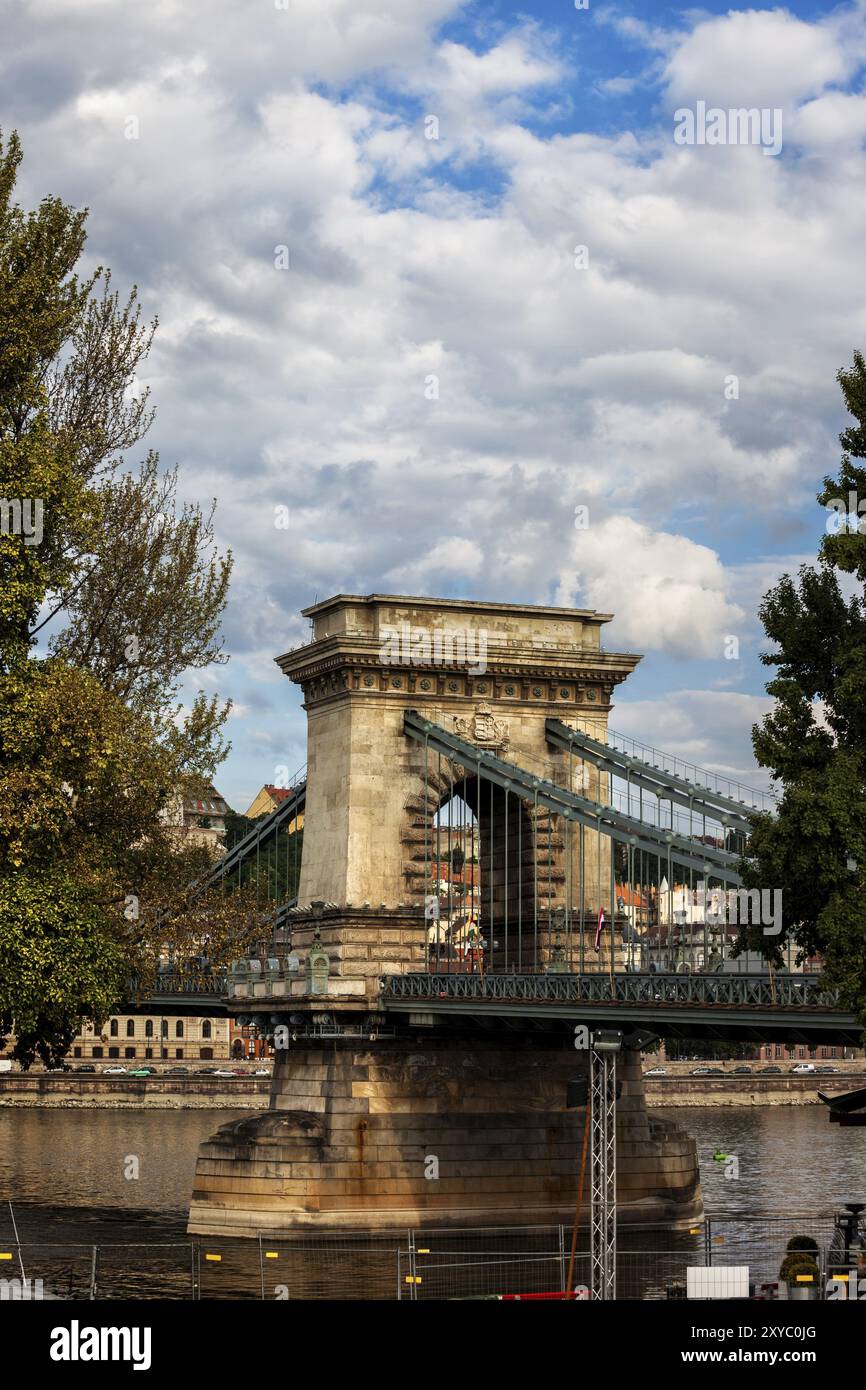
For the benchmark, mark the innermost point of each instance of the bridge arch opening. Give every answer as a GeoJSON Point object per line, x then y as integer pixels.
{"type": "Point", "coordinates": [485, 900]}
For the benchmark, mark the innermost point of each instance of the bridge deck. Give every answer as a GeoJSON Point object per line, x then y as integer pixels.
{"type": "Point", "coordinates": [796, 1008]}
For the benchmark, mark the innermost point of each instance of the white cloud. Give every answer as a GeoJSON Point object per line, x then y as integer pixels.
{"type": "Point", "coordinates": [667, 593]}
{"type": "Point", "coordinates": [757, 58]}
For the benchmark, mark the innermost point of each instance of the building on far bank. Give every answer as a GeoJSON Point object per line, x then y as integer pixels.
{"type": "Point", "coordinates": [199, 819]}
{"type": "Point", "coordinates": [267, 800]}
{"type": "Point", "coordinates": [154, 1037]}
{"type": "Point", "coordinates": [246, 1043]}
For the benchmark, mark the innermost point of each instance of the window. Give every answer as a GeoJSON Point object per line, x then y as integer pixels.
{"type": "Point", "coordinates": [206, 1053]}
{"type": "Point", "coordinates": [97, 1052]}
{"type": "Point", "coordinates": [206, 1028]}
{"type": "Point", "coordinates": [113, 1029]}
{"type": "Point", "coordinates": [130, 1028]}
{"type": "Point", "coordinates": [129, 1052]}
{"type": "Point", "coordinates": [178, 1052]}
{"type": "Point", "coordinates": [114, 1052]}
{"type": "Point", "coordinates": [148, 1052]}
{"type": "Point", "coordinates": [148, 1028]}
{"type": "Point", "coordinates": [834, 1052]}
{"type": "Point", "coordinates": [178, 1029]}
{"type": "Point", "coordinates": [76, 1051]}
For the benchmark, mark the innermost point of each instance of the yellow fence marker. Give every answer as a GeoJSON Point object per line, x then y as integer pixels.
{"type": "Point", "coordinates": [272, 1255]}
{"type": "Point", "coordinates": [805, 1279]}
{"type": "Point", "coordinates": [4, 1256]}
{"type": "Point", "coordinates": [413, 1278]}
{"type": "Point", "coordinates": [213, 1257]}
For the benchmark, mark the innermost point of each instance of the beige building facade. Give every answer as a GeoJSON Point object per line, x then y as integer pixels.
{"type": "Point", "coordinates": [126, 1038]}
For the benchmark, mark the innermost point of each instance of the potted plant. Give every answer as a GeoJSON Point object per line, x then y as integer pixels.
{"type": "Point", "coordinates": [800, 1271]}
{"type": "Point", "coordinates": [807, 1243]}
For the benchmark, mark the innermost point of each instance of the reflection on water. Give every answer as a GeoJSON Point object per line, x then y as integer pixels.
{"type": "Point", "coordinates": [77, 1158]}
{"type": "Point", "coordinates": [64, 1170]}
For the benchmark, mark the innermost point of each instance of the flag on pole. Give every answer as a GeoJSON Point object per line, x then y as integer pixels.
{"type": "Point", "coordinates": [598, 929]}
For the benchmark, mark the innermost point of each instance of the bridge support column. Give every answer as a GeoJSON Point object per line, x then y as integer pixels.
{"type": "Point", "coordinates": [431, 1130]}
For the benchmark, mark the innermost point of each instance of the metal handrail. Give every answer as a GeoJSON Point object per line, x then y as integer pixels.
{"type": "Point", "coordinates": [259, 836]}
{"type": "Point", "coordinates": [789, 991]}
{"type": "Point", "coordinates": [656, 758]}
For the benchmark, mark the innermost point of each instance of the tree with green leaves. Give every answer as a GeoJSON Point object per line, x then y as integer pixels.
{"type": "Point", "coordinates": [814, 739]}
{"type": "Point", "coordinates": [104, 606]}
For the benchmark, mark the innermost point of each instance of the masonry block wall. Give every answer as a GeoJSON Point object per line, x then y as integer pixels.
{"type": "Point", "coordinates": [355, 1131]}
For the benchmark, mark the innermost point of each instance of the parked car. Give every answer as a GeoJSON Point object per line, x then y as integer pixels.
{"type": "Point", "coordinates": [206, 1071]}
{"type": "Point", "coordinates": [715, 1071]}
{"type": "Point", "coordinates": [262, 1071]}
{"type": "Point", "coordinates": [653, 1071]}
{"type": "Point", "coordinates": [827, 1070]}
{"type": "Point", "coordinates": [699, 1071]}
{"type": "Point", "coordinates": [177, 1071]}
{"type": "Point", "coordinates": [114, 1071]}
{"type": "Point", "coordinates": [221, 1071]}
{"type": "Point", "coordinates": [87, 1068]}
{"type": "Point", "coordinates": [803, 1068]}
{"type": "Point", "coordinates": [742, 1071]}
{"type": "Point", "coordinates": [777, 1071]}
{"type": "Point", "coordinates": [142, 1071]}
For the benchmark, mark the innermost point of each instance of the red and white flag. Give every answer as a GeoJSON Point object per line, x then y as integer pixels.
{"type": "Point", "coordinates": [598, 929]}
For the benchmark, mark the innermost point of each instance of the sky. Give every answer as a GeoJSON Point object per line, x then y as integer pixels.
{"type": "Point", "coordinates": [357, 222]}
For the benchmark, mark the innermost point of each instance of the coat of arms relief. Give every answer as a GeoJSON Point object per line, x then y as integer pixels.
{"type": "Point", "coordinates": [483, 727]}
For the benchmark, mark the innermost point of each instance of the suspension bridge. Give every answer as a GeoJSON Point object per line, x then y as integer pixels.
{"type": "Point", "coordinates": [485, 868]}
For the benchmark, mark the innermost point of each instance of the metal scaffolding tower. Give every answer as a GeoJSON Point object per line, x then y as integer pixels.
{"type": "Point", "coordinates": [602, 1070]}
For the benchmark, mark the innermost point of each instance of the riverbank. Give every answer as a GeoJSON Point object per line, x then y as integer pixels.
{"type": "Point", "coordinates": [71, 1091]}
{"type": "Point", "coordinates": [678, 1088]}
{"type": "Point", "coordinates": [68, 1091]}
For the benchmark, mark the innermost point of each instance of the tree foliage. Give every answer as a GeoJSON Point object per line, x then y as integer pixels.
{"type": "Point", "coordinates": [814, 739]}
{"type": "Point", "coordinates": [103, 609]}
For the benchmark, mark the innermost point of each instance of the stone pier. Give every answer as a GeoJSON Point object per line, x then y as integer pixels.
{"type": "Point", "coordinates": [422, 1131]}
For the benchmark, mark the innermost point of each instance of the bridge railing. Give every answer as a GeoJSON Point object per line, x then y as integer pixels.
{"type": "Point", "coordinates": [742, 991]}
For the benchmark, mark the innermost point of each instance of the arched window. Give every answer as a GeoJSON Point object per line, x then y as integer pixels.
{"type": "Point", "coordinates": [148, 1028]}
{"type": "Point", "coordinates": [206, 1028]}
{"type": "Point", "coordinates": [130, 1027]}
{"type": "Point", "coordinates": [113, 1029]}
{"type": "Point", "coordinates": [163, 1028]}
{"type": "Point", "coordinates": [178, 1029]}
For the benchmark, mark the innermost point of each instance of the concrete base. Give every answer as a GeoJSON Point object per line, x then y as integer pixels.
{"type": "Point", "coordinates": [421, 1131]}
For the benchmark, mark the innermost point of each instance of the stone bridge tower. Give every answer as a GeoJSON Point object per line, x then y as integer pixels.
{"type": "Point", "coordinates": [361, 1099]}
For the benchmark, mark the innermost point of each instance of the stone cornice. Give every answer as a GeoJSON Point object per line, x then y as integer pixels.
{"type": "Point", "coordinates": [503, 660]}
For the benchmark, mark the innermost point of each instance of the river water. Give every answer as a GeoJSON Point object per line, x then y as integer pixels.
{"type": "Point", "coordinates": [121, 1181]}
